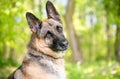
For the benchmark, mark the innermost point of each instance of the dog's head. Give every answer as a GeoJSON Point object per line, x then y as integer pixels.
{"type": "Point", "coordinates": [49, 31]}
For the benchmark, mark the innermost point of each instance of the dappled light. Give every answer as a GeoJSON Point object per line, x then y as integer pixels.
{"type": "Point", "coordinates": [92, 28]}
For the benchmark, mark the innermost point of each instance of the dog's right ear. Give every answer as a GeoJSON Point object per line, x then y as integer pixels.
{"type": "Point", "coordinates": [33, 21]}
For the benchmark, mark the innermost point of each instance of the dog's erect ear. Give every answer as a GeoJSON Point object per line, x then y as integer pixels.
{"type": "Point", "coordinates": [33, 21]}
{"type": "Point", "coordinates": [51, 11]}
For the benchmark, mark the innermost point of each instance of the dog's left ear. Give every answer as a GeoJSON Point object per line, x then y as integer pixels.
{"type": "Point", "coordinates": [51, 11]}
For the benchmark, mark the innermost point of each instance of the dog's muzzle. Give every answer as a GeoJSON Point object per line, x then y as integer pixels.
{"type": "Point", "coordinates": [60, 45]}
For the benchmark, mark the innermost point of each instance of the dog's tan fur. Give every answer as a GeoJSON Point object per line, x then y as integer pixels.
{"type": "Point", "coordinates": [41, 62]}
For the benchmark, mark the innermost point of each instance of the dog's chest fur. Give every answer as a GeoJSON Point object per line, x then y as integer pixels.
{"type": "Point", "coordinates": [44, 68]}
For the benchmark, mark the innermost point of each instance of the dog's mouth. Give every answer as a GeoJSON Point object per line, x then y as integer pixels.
{"type": "Point", "coordinates": [60, 45]}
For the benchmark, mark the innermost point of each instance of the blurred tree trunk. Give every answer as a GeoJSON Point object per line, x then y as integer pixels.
{"type": "Point", "coordinates": [91, 38]}
{"type": "Point", "coordinates": [117, 41]}
{"type": "Point", "coordinates": [77, 52]}
{"type": "Point", "coordinates": [5, 52]}
{"type": "Point", "coordinates": [108, 40]}
{"type": "Point", "coordinates": [108, 34]}
{"type": "Point", "coordinates": [12, 56]}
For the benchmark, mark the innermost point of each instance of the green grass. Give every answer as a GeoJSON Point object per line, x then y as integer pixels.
{"type": "Point", "coordinates": [94, 70]}
{"type": "Point", "coordinates": [6, 68]}
{"type": "Point", "coordinates": [87, 70]}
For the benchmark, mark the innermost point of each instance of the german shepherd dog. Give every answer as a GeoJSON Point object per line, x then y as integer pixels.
{"type": "Point", "coordinates": [44, 59]}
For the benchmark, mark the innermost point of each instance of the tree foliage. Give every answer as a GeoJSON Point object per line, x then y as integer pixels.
{"type": "Point", "coordinates": [96, 26]}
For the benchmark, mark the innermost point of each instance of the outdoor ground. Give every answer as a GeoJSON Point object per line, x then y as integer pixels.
{"type": "Point", "coordinates": [87, 70]}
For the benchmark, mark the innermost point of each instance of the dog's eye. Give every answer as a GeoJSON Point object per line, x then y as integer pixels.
{"type": "Point", "coordinates": [49, 34]}
{"type": "Point", "coordinates": [59, 29]}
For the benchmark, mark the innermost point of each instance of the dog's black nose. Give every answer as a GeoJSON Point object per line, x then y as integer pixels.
{"type": "Point", "coordinates": [63, 43]}
{"type": "Point", "coordinates": [60, 45]}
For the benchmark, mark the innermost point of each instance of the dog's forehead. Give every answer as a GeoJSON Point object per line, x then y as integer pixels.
{"type": "Point", "coordinates": [52, 22]}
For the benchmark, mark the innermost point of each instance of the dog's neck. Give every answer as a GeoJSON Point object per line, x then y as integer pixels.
{"type": "Point", "coordinates": [32, 52]}
{"type": "Point", "coordinates": [38, 47]}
